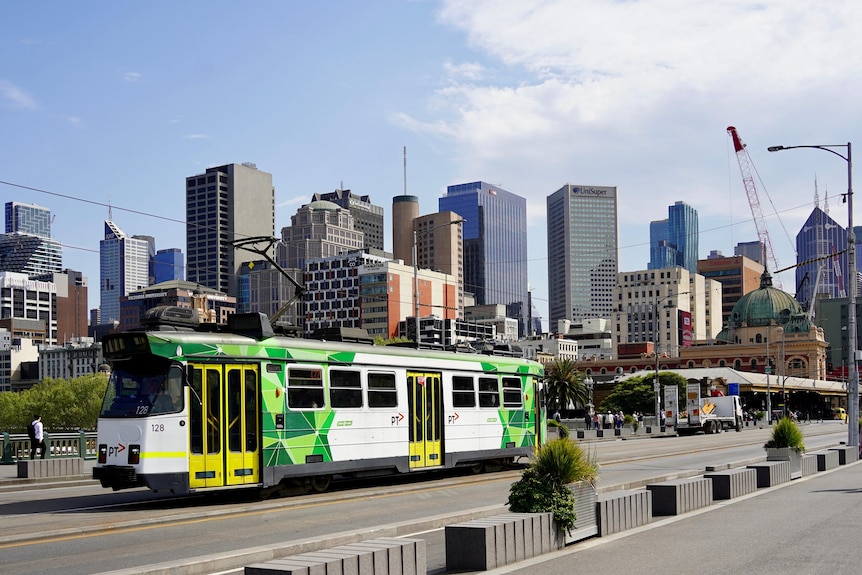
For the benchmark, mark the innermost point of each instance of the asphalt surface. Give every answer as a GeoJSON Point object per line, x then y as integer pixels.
{"type": "Point", "coordinates": [685, 540]}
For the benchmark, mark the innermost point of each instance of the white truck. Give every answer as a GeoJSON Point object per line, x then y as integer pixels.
{"type": "Point", "coordinates": [710, 414]}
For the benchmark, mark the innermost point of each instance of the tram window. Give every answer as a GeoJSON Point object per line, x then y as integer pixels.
{"type": "Point", "coordinates": [196, 440]}
{"type": "Point", "coordinates": [463, 391]}
{"type": "Point", "coordinates": [489, 392]}
{"type": "Point", "coordinates": [213, 411]}
{"type": "Point", "coordinates": [381, 390]}
{"type": "Point", "coordinates": [234, 406]}
{"type": "Point", "coordinates": [304, 388]}
{"type": "Point", "coordinates": [512, 392]}
{"type": "Point", "coordinates": [345, 388]}
{"type": "Point", "coordinates": [250, 410]}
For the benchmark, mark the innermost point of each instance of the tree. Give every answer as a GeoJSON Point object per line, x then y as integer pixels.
{"type": "Point", "coordinates": [565, 385]}
{"type": "Point", "coordinates": [631, 395]}
{"type": "Point", "coordinates": [65, 405]}
{"type": "Point", "coordinates": [637, 393]}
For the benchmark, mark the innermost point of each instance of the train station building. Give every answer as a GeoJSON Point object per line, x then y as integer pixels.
{"type": "Point", "coordinates": [769, 345]}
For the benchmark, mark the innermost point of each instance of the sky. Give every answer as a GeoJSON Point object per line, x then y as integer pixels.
{"type": "Point", "coordinates": [106, 108]}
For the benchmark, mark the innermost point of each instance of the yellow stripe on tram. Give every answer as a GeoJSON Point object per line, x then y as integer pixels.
{"type": "Point", "coordinates": [163, 455]}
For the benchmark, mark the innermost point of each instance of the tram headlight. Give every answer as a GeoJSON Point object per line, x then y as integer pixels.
{"type": "Point", "coordinates": [134, 454]}
{"type": "Point", "coordinates": [103, 453]}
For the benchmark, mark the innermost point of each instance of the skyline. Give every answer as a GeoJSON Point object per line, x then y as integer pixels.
{"type": "Point", "coordinates": [636, 96]}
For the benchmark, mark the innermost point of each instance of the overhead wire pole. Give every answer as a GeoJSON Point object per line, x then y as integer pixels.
{"type": "Point", "coordinates": [853, 356]}
{"type": "Point", "coordinates": [251, 245]}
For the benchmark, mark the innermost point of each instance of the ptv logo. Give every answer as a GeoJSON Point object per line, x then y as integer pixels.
{"type": "Point", "coordinates": [116, 450]}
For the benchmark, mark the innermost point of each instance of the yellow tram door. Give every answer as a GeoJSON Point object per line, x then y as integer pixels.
{"type": "Point", "coordinates": [206, 459]}
{"type": "Point", "coordinates": [425, 404]}
{"type": "Point", "coordinates": [224, 434]}
{"type": "Point", "coordinates": [242, 427]}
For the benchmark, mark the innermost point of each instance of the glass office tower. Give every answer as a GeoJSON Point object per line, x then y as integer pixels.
{"type": "Point", "coordinates": [674, 241]}
{"type": "Point", "coordinates": [583, 258]}
{"type": "Point", "coordinates": [28, 219]}
{"type": "Point", "coordinates": [495, 245]}
{"type": "Point", "coordinates": [820, 237]}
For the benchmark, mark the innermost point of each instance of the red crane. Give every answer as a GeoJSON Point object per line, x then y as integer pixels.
{"type": "Point", "coordinates": [754, 202]}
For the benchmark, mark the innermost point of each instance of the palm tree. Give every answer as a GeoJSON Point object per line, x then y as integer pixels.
{"type": "Point", "coordinates": [565, 384]}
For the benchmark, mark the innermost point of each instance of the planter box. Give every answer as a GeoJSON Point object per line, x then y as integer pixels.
{"type": "Point", "coordinates": [586, 522]}
{"type": "Point", "coordinates": [794, 456]}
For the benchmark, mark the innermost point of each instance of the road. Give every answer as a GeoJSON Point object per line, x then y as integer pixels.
{"type": "Point", "coordinates": [86, 530]}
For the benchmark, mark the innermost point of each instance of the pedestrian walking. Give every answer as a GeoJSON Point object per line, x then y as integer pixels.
{"type": "Point", "coordinates": [36, 431]}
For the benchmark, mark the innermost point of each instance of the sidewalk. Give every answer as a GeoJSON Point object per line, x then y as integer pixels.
{"type": "Point", "coordinates": [798, 528]}
{"type": "Point", "coordinates": [9, 480]}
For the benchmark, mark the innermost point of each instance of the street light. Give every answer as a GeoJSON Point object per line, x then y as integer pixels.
{"type": "Point", "coordinates": [588, 383]}
{"type": "Point", "coordinates": [853, 400]}
{"type": "Point", "coordinates": [656, 385]}
{"type": "Point", "coordinates": [416, 268]}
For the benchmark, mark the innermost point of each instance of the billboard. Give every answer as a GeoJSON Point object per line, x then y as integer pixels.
{"type": "Point", "coordinates": [686, 330]}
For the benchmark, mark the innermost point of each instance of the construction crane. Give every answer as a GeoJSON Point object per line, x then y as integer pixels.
{"type": "Point", "coordinates": [754, 202]}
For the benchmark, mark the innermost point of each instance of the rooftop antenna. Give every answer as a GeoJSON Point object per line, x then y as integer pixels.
{"type": "Point", "coordinates": [405, 170]}
{"type": "Point", "coordinates": [110, 211]}
{"type": "Point", "coordinates": [816, 194]}
{"type": "Point", "coordinates": [826, 201]}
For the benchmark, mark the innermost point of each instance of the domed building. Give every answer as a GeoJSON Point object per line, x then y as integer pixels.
{"type": "Point", "coordinates": [771, 318]}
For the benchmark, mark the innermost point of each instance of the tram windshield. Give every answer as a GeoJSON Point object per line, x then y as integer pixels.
{"type": "Point", "coordinates": [141, 391]}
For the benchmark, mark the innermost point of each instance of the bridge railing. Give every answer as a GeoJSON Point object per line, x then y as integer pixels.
{"type": "Point", "coordinates": [16, 446]}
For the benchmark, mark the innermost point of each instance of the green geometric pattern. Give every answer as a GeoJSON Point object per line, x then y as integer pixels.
{"type": "Point", "coordinates": [307, 433]}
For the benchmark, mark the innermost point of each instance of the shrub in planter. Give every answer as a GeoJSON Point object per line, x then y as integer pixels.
{"type": "Point", "coordinates": [544, 485]}
{"type": "Point", "coordinates": [786, 433]}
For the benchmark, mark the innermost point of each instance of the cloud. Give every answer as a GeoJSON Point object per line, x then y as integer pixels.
{"type": "Point", "coordinates": [466, 71]}
{"type": "Point", "coordinates": [196, 136]}
{"type": "Point", "coordinates": [75, 121]}
{"type": "Point", "coordinates": [634, 93]}
{"type": "Point", "coordinates": [133, 77]}
{"type": "Point", "coordinates": [294, 201]}
{"type": "Point", "coordinates": [17, 96]}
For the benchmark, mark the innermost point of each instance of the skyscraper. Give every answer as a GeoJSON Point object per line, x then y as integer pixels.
{"type": "Point", "coordinates": [405, 209]}
{"type": "Point", "coordinates": [28, 219]}
{"type": "Point", "coordinates": [226, 203]}
{"type": "Point", "coordinates": [820, 237]}
{"type": "Point", "coordinates": [753, 250]}
{"type": "Point", "coordinates": [29, 254]}
{"type": "Point", "coordinates": [124, 264]}
{"type": "Point", "coordinates": [674, 241]}
{"type": "Point", "coordinates": [367, 217]}
{"type": "Point", "coordinates": [27, 247]}
{"type": "Point", "coordinates": [168, 265]}
{"type": "Point", "coordinates": [318, 230]}
{"type": "Point", "coordinates": [495, 245]}
{"type": "Point", "coordinates": [583, 258]}
{"type": "Point", "coordinates": [439, 247]}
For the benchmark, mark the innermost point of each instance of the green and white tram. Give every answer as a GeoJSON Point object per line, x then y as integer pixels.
{"type": "Point", "coordinates": [188, 410]}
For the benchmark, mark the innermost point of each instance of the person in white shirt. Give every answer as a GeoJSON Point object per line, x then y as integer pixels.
{"type": "Point", "coordinates": [38, 439]}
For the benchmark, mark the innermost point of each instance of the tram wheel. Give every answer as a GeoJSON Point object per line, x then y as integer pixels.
{"type": "Point", "coordinates": [321, 483]}
{"type": "Point", "coordinates": [477, 468]}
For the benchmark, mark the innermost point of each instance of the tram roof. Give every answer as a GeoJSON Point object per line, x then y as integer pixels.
{"type": "Point", "coordinates": [279, 341]}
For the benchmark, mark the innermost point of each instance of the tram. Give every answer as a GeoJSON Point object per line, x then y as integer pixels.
{"type": "Point", "coordinates": [193, 407]}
